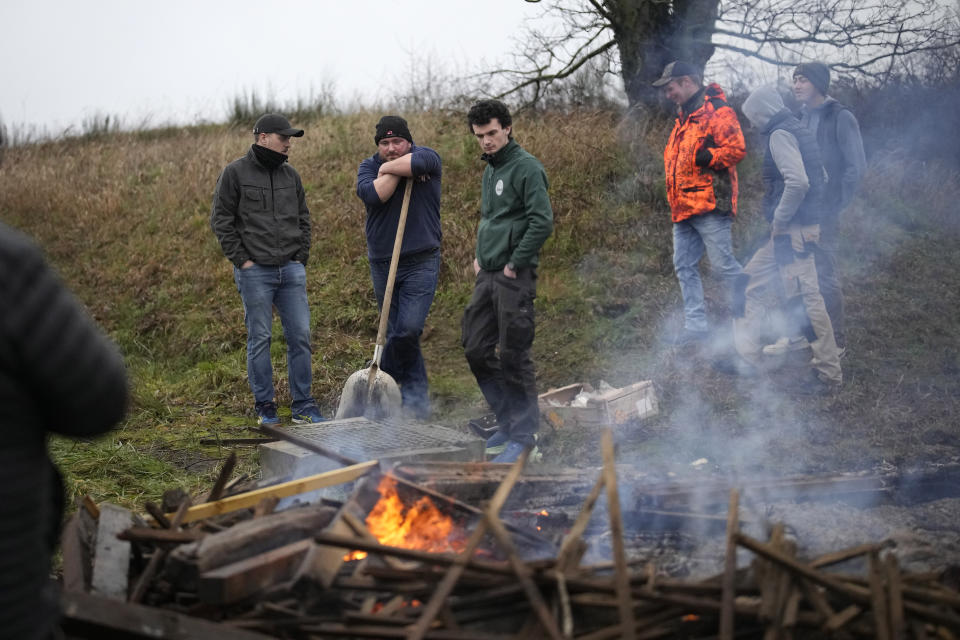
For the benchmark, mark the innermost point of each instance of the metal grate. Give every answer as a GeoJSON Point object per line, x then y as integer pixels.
{"type": "Point", "coordinates": [366, 440]}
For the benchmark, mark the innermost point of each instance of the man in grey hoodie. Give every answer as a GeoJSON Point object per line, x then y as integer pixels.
{"type": "Point", "coordinates": [794, 181]}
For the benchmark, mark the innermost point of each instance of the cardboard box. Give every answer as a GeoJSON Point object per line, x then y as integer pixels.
{"type": "Point", "coordinates": [637, 401]}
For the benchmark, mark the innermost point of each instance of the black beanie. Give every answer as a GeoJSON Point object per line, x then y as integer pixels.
{"type": "Point", "coordinates": [817, 73]}
{"type": "Point", "coordinates": [392, 127]}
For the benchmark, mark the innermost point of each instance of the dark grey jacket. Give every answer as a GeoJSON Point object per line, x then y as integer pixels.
{"type": "Point", "coordinates": [259, 214]}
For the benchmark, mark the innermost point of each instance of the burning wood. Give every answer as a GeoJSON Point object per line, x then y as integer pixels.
{"type": "Point", "coordinates": [419, 526]}
{"type": "Point", "coordinates": [399, 560]}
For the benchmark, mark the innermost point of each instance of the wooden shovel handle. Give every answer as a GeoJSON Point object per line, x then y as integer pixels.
{"type": "Point", "coordinates": [392, 274]}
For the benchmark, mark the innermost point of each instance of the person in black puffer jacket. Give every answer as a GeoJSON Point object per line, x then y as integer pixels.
{"type": "Point", "coordinates": [58, 374]}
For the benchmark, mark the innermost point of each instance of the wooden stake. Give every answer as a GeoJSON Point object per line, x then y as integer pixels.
{"type": "Point", "coordinates": [159, 555]}
{"type": "Point", "coordinates": [217, 492]}
{"type": "Point", "coordinates": [895, 592]}
{"type": "Point", "coordinates": [621, 571]}
{"type": "Point", "coordinates": [857, 594]}
{"type": "Point", "coordinates": [523, 575]}
{"type": "Point", "coordinates": [729, 568]}
{"type": "Point", "coordinates": [878, 598]}
{"type": "Point", "coordinates": [837, 557]}
{"type": "Point", "coordinates": [569, 544]}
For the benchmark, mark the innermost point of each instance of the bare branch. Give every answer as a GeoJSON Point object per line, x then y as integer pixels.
{"type": "Point", "coordinates": [869, 38]}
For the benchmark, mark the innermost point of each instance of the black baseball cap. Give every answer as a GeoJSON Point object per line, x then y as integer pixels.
{"type": "Point", "coordinates": [275, 123]}
{"type": "Point", "coordinates": [676, 69]}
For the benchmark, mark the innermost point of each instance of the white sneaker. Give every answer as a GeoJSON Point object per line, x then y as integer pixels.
{"type": "Point", "coordinates": [784, 345]}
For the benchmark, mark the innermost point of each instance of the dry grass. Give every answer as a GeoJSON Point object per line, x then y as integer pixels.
{"type": "Point", "coordinates": [125, 220]}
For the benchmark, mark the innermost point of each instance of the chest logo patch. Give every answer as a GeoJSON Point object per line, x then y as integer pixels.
{"type": "Point", "coordinates": [499, 187]}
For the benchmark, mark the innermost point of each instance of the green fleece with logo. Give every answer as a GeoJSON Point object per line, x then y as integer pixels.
{"type": "Point", "coordinates": [516, 218]}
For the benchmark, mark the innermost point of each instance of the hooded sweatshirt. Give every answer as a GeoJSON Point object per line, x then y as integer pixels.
{"type": "Point", "coordinates": [793, 175]}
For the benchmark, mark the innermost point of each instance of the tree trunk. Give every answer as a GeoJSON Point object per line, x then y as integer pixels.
{"type": "Point", "coordinates": [651, 33]}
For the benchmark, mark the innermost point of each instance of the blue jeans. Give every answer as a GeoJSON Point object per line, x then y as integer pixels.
{"type": "Point", "coordinates": [413, 291]}
{"type": "Point", "coordinates": [709, 231]}
{"type": "Point", "coordinates": [262, 288]}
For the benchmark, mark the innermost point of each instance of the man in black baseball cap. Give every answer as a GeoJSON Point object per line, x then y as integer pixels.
{"type": "Point", "coordinates": [261, 219]}
{"type": "Point", "coordinates": [275, 123]}
{"type": "Point", "coordinates": [676, 69]}
{"type": "Point", "coordinates": [700, 166]}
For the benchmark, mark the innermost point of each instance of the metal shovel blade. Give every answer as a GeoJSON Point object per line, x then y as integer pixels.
{"type": "Point", "coordinates": [358, 399]}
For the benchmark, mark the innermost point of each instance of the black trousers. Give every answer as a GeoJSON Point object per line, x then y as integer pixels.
{"type": "Point", "coordinates": [497, 336]}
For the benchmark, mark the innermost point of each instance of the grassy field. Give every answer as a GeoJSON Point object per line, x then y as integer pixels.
{"type": "Point", "coordinates": [124, 218]}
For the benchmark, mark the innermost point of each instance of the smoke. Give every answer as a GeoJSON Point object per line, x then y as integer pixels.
{"type": "Point", "coordinates": [753, 429]}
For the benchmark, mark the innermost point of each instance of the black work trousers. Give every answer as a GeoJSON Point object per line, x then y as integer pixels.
{"type": "Point", "coordinates": [497, 336]}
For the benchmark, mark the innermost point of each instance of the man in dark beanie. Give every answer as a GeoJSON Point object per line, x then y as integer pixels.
{"type": "Point", "coordinates": [261, 219]}
{"type": "Point", "coordinates": [381, 181]}
{"type": "Point", "coordinates": [841, 150]}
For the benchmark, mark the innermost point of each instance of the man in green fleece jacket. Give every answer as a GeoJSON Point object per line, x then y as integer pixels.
{"type": "Point", "coordinates": [516, 219]}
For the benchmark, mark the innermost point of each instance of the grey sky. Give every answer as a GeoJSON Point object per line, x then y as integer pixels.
{"type": "Point", "coordinates": [66, 60]}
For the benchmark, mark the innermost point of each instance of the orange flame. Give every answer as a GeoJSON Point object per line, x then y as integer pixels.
{"type": "Point", "coordinates": [420, 526]}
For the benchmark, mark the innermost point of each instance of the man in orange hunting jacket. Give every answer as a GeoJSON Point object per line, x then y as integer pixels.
{"type": "Point", "coordinates": [700, 161]}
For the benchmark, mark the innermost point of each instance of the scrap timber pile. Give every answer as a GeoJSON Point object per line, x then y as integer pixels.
{"type": "Point", "coordinates": [398, 559]}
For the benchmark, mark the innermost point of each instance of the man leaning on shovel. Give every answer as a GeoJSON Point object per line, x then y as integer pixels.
{"type": "Point", "coordinates": [397, 159]}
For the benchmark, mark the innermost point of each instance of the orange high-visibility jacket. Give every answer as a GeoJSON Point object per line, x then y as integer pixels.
{"type": "Point", "coordinates": [693, 190]}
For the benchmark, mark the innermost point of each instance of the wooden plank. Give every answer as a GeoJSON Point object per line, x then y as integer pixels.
{"type": "Point", "coordinates": [234, 582]}
{"type": "Point", "coordinates": [149, 534]}
{"type": "Point", "coordinates": [251, 537]}
{"type": "Point", "coordinates": [419, 630]}
{"type": "Point", "coordinates": [111, 561]}
{"type": "Point", "coordinates": [621, 570]}
{"type": "Point", "coordinates": [89, 616]}
{"type": "Point", "coordinates": [282, 490]}
{"type": "Point", "coordinates": [74, 556]}
{"type": "Point", "coordinates": [329, 559]}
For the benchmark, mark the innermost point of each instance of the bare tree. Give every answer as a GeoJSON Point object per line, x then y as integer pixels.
{"type": "Point", "coordinates": [637, 38]}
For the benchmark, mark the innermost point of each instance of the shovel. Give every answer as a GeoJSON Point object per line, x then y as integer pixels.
{"type": "Point", "coordinates": [371, 392]}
